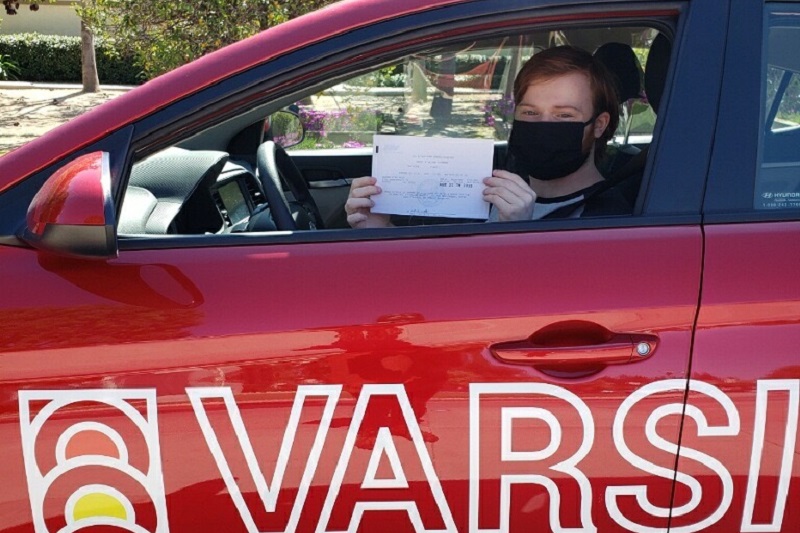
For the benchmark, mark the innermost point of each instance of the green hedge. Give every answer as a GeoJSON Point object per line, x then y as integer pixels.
{"type": "Point", "coordinates": [55, 58]}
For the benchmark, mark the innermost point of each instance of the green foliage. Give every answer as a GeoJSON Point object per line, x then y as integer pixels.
{"type": "Point", "coordinates": [55, 58]}
{"type": "Point", "coordinates": [8, 69]}
{"type": "Point", "coordinates": [392, 76]}
{"type": "Point", "coordinates": [164, 34]}
{"type": "Point", "coordinates": [140, 39]}
{"type": "Point", "coordinates": [278, 11]}
{"type": "Point", "coordinates": [641, 53]}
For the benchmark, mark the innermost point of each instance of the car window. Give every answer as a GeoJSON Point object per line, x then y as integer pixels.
{"type": "Point", "coordinates": [778, 179]}
{"type": "Point", "coordinates": [465, 90]}
{"type": "Point", "coordinates": [452, 92]}
{"type": "Point", "coordinates": [211, 183]}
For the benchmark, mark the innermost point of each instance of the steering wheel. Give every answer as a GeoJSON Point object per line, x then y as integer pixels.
{"type": "Point", "coordinates": [276, 170]}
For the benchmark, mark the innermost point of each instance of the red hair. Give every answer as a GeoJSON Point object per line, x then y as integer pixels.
{"type": "Point", "coordinates": [561, 60]}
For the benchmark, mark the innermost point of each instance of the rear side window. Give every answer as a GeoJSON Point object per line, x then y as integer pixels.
{"type": "Point", "coordinates": [778, 180]}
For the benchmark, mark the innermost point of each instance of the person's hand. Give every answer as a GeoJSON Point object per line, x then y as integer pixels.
{"type": "Point", "coordinates": [359, 204]}
{"type": "Point", "coordinates": [510, 195]}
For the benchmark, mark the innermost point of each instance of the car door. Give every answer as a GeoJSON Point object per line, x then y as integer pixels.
{"type": "Point", "coordinates": [477, 377]}
{"type": "Point", "coordinates": [747, 330]}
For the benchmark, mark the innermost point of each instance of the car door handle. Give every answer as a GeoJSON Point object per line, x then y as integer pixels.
{"type": "Point", "coordinates": [621, 349]}
{"type": "Point", "coordinates": [575, 346]}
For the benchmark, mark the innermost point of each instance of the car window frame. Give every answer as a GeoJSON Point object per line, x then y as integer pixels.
{"type": "Point", "coordinates": [729, 197]}
{"type": "Point", "coordinates": [177, 120]}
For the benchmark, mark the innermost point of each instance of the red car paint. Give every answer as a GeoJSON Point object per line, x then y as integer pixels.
{"type": "Point", "coordinates": [626, 374]}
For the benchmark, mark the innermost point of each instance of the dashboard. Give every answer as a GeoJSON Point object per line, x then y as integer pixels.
{"type": "Point", "coordinates": [190, 192]}
{"type": "Point", "coordinates": [234, 207]}
{"type": "Point", "coordinates": [237, 196]}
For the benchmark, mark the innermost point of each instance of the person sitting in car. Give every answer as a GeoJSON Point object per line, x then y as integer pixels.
{"type": "Point", "coordinates": [566, 111]}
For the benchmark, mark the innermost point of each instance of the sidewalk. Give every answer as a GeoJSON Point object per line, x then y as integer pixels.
{"type": "Point", "coordinates": [29, 110]}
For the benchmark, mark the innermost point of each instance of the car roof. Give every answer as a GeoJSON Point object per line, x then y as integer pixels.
{"type": "Point", "coordinates": [335, 19]}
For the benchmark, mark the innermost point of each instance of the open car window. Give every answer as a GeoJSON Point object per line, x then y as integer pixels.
{"type": "Point", "coordinates": [463, 91]}
{"type": "Point", "coordinates": [212, 183]}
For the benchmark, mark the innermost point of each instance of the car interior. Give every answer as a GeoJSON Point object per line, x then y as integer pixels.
{"type": "Point", "coordinates": [276, 167]}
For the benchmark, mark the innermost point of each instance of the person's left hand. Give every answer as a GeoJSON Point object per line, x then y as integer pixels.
{"type": "Point", "coordinates": [511, 195]}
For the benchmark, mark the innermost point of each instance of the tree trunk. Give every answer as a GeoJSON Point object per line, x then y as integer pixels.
{"type": "Point", "coordinates": [88, 60]}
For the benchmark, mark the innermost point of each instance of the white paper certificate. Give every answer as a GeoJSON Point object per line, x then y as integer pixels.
{"type": "Point", "coordinates": [431, 176]}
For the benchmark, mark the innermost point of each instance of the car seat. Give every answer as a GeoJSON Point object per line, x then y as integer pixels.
{"type": "Point", "coordinates": [161, 199]}
{"type": "Point", "coordinates": [623, 64]}
{"type": "Point", "coordinates": [620, 60]}
{"type": "Point", "coordinates": [627, 178]}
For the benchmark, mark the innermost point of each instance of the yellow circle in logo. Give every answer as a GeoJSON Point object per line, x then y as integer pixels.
{"type": "Point", "coordinates": [97, 504]}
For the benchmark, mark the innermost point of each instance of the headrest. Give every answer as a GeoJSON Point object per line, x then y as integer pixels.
{"type": "Point", "coordinates": [655, 72]}
{"type": "Point", "coordinates": [623, 64]}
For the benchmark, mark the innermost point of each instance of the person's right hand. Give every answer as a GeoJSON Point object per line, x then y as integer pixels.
{"type": "Point", "coordinates": [359, 204]}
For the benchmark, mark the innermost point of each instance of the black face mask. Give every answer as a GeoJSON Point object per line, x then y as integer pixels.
{"type": "Point", "coordinates": [547, 150]}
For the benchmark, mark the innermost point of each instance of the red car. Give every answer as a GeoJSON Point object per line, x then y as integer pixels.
{"type": "Point", "coordinates": [192, 339]}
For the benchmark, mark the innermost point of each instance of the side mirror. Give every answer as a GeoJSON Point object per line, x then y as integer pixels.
{"type": "Point", "coordinates": [286, 128]}
{"type": "Point", "coordinates": [73, 213]}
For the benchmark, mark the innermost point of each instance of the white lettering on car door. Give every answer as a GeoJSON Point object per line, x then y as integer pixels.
{"type": "Point", "coordinates": [385, 447]}
{"type": "Point", "coordinates": [704, 429]}
{"type": "Point", "coordinates": [764, 388]}
{"type": "Point", "coordinates": [519, 433]}
{"type": "Point", "coordinates": [369, 481]}
{"type": "Point", "coordinates": [267, 492]}
{"type": "Point", "coordinates": [535, 459]}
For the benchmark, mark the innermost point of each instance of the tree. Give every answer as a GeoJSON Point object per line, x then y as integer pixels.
{"type": "Point", "coordinates": [89, 79]}
{"type": "Point", "coordinates": [88, 58]}
{"type": "Point", "coordinates": [164, 34]}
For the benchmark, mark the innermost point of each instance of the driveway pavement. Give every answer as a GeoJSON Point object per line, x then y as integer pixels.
{"type": "Point", "coordinates": [30, 109]}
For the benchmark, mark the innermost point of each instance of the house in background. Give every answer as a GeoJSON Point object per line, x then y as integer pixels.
{"type": "Point", "coordinates": [57, 18]}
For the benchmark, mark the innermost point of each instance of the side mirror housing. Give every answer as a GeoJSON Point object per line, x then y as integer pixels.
{"type": "Point", "coordinates": [73, 213]}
